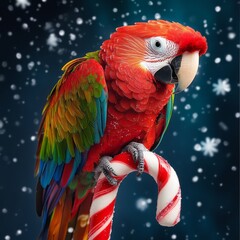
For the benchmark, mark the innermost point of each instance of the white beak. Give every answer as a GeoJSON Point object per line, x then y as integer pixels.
{"type": "Point", "coordinates": [187, 70]}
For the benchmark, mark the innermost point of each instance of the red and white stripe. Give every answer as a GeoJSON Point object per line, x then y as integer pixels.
{"type": "Point", "coordinates": [169, 194]}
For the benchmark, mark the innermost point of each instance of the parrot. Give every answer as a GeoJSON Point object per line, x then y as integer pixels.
{"type": "Point", "coordinates": [118, 98]}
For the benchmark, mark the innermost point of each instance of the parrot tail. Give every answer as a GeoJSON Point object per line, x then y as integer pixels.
{"type": "Point", "coordinates": [81, 221]}
{"type": "Point", "coordinates": [69, 219]}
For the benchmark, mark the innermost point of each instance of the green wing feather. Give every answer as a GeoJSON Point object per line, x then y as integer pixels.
{"type": "Point", "coordinates": [70, 117]}
{"type": "Point", "coordinates": [168, 115]}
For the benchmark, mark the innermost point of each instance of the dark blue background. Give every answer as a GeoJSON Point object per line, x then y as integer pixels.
{"type": "Point", "coordinates": [210, 207]}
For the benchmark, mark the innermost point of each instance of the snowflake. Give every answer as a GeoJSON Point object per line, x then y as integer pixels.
{"type": "Point", "coordinates": [143, 203]}
{"type": "Point", "coordinates": [52, 41]}
{"type": "Point", "coordinates": [22, 3]}
{"type": "Point", "coordinates": [209, 147]}
{"type": "Point", "coordinates": [221, 87]}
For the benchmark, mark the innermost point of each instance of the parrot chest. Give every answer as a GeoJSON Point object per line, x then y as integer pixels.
{"type": "Point", "coordinates": [123, 128]}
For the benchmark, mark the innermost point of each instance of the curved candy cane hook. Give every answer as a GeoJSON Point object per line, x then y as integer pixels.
{"type": "Point", "coordinates": [169, 193]}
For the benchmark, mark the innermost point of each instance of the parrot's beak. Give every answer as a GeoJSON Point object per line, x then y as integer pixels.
{"type": "Point", "coordinates": [180, 71]}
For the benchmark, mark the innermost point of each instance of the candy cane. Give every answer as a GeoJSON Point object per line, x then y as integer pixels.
{"type": "Point", "coordinates": [169, 194]}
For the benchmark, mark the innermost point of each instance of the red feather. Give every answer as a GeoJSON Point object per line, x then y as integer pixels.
{"type": "Point", "coordinates": [66, 173]}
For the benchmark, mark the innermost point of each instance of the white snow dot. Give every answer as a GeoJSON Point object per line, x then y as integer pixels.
{"type": "Point", "coordinates": [237, 114]}
{"type": "Point", "coordinates": [22, 3]}
{"type": "Point", "coordinates": [199, 204]}
{"type": "Point", "coordinates": [195, 179]}
{"type": "Point", "coordinates": [175, 133]}
{"type": "Point", "coordinates": [187, 107]}
{"type": "Point", "coordinates": [31, 65]}
{"type": "Point", "coordinates": [223, 126]}
{"type": "Point", "coordinates": [217, 60]}
{"type": "Point", "coordinates": [228, 58]}
{"type": "Point", "coordinates": [79, 21]}
{"type": "Point", "coordinates": [197, 147]}
{"type": "Point", "coordinates": [18, 232]}
{"type": "Point", "coordinates": [18, 55]}
{"type": "Point", "coordinates": [1, 124]}
{"type": "Point", "coordinates": [10, 8]}
{"type": "Point", "coordinates": [61, 32]}
{"type": "Point", "coordinates": [139, 178]}
{"type": "Point", "coordinates": [33, 138]}
{"type": "Point", "coordinates": [72, 36]}
{"type": "Point", "coordinates": [149, 200]}
{"type": "Point", "coordinates": [7, 237]}
{"type": "Point", "coordinates": [203, 129]}
{"type": "Point", "coordinates": [73, 53]}
{"type": "Point", "coordinates": [141, 204]}
{"type": "Point", "coordinates": [24, 189]}
{"type": "Point", "coordinates": [174, 236]}
{"type": "Point", "coordinates": [217, 8]}
{"type": "Point", "coordinates": [195, 115]}
{"type": "Point", "coordinates": [19, 68]}
{"type": "Point", "coordinates": [200, 170]}
{"type": "Point", "coordinates": [16, 96]}
{"type": "Point", "coordinates": [157, 16]}
{"type": "Point", "coordinates": [148, 224]}
{"type": "Point", "coordinates": [25, 26]}
{"type": "Point", "coordinates": [182, 99]}
{"type": "Point", "coordinates": [70, 230]}
{"type": "Point", "coordinates": [15, 160]}
{"type": "Point", "coordinates": [33, 82]}
{"type": "Point", "coordinates": [115, 10]}
{"type": "Point", "coordinates": [2, 78]}
{"type": "Point", "coordinates": [52, 41]}
{"type": "Point", "coordinates": [150, 3]}
{"type": "Point", "coordinates": [231, 35]}
{"type": "Point", "coordinates": [13, 87]}
{"type": "Point", "coordinates": [4, 210]}
{"type": "Point", "coordinates": [234, 168]}
{"type": "Point", "coordinates": [193, 158]}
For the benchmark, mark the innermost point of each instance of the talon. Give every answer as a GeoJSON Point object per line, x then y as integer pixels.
{"type": "Point", "coordinates": [136, 149]}
{"type": "Point", "coordinates": [105, 167]}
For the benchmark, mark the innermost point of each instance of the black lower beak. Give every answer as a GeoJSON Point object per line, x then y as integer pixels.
{"type": "Point", "coordinates": [168, 73]}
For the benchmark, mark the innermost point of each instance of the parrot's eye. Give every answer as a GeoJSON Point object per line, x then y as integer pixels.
{"type": "Point", "coordinates": [158, 44]}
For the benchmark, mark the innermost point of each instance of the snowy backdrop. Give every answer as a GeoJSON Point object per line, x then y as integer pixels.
{"type": "Point", "coordinates": [38, 36]}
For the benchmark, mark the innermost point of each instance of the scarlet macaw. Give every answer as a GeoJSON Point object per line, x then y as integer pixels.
{"type": "Point", "coordinates": [120, 97]}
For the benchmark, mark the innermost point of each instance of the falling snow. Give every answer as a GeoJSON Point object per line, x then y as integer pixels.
{"type": "Point", "coordinates": [52, 41]}
{"type": "Point", "coordinates": [201, 142]}
{"type": "Point", "coordinates": [221, 87]}
{"type": "Point", "coordinates": [142, 204]}
{"type": "Point", "coordinates": [22, 3]}
{"type": "Point", "coordinates": [209, 146]}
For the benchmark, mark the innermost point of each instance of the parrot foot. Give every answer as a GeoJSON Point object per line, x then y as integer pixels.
{"type": "Point", "coordinates": [104, 167]}
{"type": "Point", "coordinates": [136, 150]}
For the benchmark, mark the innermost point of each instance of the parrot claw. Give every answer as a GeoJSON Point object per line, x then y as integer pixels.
{"type": "Point", "coordinates": [104, 167]}
{"type": "Point", "coordinates": [136, 150]}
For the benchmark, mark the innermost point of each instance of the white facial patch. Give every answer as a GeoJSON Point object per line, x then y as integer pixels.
{"type": "Point", "coordinates": [159, 53]}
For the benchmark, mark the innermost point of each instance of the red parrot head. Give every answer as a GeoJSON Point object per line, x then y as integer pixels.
{"type": "Point", "coordinates": [167, 52]}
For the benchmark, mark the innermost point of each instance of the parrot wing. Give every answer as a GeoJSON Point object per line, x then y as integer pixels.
{"type": "Point", "coordinates": [162, 124]}
{"type": "Point", "coordinates": [74, 119]}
